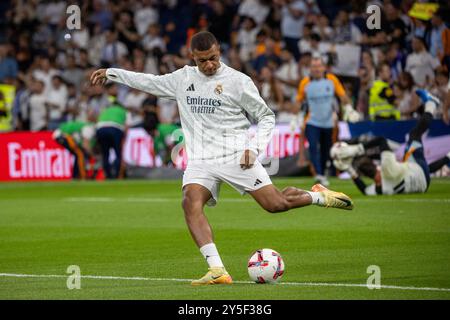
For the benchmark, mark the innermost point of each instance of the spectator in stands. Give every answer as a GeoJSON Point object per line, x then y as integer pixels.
{"type": "Point", "coordinates": [133, 102]}
{"type": "Point", "coordinates": [72, 73]}
{"type": "Point", "coordinates": [381, 96]}
{"type": "Point", "coordinates": [36, 106]}
{"type": "Point", "coordinates": [83, 60]}
{"type": "Point", "coordinates": [258, 9]}
{"type": "Point", "coordinates": [288, 75]}
{"type": "Point", "coordinates": [152, 39]}
{"type": "Point", "coordinates": [101, 15]}
{"type": "Point", "coordinates": [406, 101]}
{"type": "Point", "coordinates": [344, 30]}
{"type": "Point", "coordinates": [20, 108]}
{"type": "Point", "coordinates": [126, 31]}
{"type": "Point", "coordinates": [421, 64]}
{"type": "Point", "coordinates": [114, 50]}
{"type": "Point", "coordinates": [8, 65]}
{"type": "Point", "coordinates": [322, 28]}
{"type": "Point", "coordinates": [145, 15]}
{"type": "Point", "coordinates": [292, 21]}
{"type": "Point", "coordinates": [220, 20]}
{"type": "Point", "coordinates": [56, 102]}
{"type": "Point", "coordinates": [436, 35]}
{"type": "Point", "coordinates": [394, 29]}
{"type": "Point", "coordinates": [96, 44]}
{"type": "Point", "coordinates": [304, 65]}
{"type": "Point", "coordinates": [45, 72]}
{"type": "Point", "coordinates": [266, 51]}
{"type": "Point", "coordinates": [23, 51]}
{"type": "Point", "coordinates": [246, 38]}
{"type": "Point", "coordinates": [440, 89]}
{"type": "Point", "coordinates": [396, 60]}
{"type": "Point", "coordinates": [270, 89]}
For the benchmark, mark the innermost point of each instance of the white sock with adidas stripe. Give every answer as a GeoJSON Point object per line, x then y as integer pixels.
{"type": "Point", "coordinates": [317, 198]}
{"type": "Point", "coordinates": [209, 251]}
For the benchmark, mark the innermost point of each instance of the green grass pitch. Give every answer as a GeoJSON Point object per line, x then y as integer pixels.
{"type": "Point", "coordinates": [137, 229]}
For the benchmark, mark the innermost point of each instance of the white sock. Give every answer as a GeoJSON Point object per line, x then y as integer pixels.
{"type": "Point", "coordinates": [317, 198]}
{"type": "Point", "coordinates": [209, 251]}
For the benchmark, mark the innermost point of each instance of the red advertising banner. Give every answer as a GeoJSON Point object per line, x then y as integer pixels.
{"type": "Point", "coordinates": [33, 156]}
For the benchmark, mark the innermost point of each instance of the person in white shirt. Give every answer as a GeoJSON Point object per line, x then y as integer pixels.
{"type": "Point", "coordinates": [145, 16]}
{"type": "Point", "coordinates": [213, 100]}
{"type": "Point", "coordinates": [133, 103]}
{"type": "Point", "coordinates": [36, 104]}
{"type": "Point", "coordinates": [114, 50]}
{"type": "Point", "coordinates": [56, 102]}
{"type": "Point", "coordinates": [257, 9]}
{"type": "Point", "coordinates": [45, 72]}
{"type": "Point", "coordinates": [421, 64]}
{"type": "Point", "coordinates": [153, 39]}
{"type": "Point", "coordinates": [292, 20]}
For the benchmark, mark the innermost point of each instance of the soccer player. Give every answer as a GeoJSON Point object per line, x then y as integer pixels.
{"type": "Point", "coordinates": [212, 101]}
{"type": "Point", "coordinates": [319, 91]}
{"type": "Point", "coordinates": [394, 177]}
{"type": "Point", "coordinates": [77, 137]}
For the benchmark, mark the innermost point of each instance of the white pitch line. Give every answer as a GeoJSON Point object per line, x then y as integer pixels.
{"type": "Point", "coordinates": [304, 284]}
{"type": "Point", "coordinates": [163, 199]}
{"type": "Point", "coordinates": [159, 199]}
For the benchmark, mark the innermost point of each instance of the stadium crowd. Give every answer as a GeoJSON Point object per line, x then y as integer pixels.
{"type": "Point", "coordinates": [272, 41]}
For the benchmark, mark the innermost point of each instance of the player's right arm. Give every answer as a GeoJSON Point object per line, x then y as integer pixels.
{"type": "Point", "coordinates": [161, 86]}
{"type": "Point", "coordinates": [359, 183]}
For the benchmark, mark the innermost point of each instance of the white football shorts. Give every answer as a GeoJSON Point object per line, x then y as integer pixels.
{"type": "Point", "coordinates": [211, 176]}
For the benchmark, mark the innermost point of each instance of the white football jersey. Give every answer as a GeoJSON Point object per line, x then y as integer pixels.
{"type": "Point", "coordinates": [212, 109]}
{"type": "Point", "coordinates": [412, 180]}
{"type": "Point", "coordinates": [399, 177]}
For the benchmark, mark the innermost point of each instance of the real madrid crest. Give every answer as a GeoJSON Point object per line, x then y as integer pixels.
{"type": "Point", "coordinates": [218, 89]}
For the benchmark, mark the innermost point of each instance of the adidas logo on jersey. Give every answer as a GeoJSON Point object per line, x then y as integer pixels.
{"type": "Point", "coordinates": [257, 182]}
{"type": "Point", "coordinates": [191, 88]}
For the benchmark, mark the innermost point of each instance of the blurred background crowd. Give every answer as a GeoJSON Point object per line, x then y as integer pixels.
{"type": "Point", "coordinates": [272, 41]}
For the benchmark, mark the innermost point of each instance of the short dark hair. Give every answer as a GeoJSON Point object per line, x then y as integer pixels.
{"type": "Point", "coordinates": [365, 166]}
{"type": "Point", "coordinates": [203, 41]}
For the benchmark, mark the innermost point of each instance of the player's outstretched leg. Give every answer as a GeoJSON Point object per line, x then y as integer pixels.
{"type": "Point", "coordinates": [195, 197]}
{"type": "Point", "coordinates": [273, 200]}
{"type": "Point", "coordinates": [438, 164]}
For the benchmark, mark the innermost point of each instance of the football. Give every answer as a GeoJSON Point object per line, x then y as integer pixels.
{"type": "Point", "coordinates": [265, 266]}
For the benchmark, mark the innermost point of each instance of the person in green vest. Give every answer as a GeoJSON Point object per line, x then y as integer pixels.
{"type": "Point", "coordinates": [79, 138]}
{"type": "Point", "coordinates": [381, 97]}
{"type": "Point", "coordinates": [7, 93]}
{"type": "Point", "coordinates": [110, 134]}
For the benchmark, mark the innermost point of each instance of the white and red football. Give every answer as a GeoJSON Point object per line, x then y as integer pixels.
{"type": "Point", "coordinates": [265, 266]}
